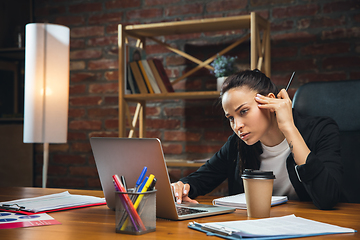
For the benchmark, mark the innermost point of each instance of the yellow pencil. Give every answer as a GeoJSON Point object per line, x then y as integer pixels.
{"type": "Point", "coordinates": [138, 200]}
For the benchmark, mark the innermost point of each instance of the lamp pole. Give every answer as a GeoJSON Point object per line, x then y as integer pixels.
{"type": "Point", "coordinates": [45, 164]}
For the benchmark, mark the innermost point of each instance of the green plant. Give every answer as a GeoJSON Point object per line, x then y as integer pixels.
{"type": "Point", "coordinates": [223, 66]}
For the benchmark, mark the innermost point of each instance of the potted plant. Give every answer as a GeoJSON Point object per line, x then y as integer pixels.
{"type": "Point", "coordinates": [224, 66]}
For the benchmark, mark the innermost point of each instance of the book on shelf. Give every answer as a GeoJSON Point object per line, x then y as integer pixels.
{"type": "Point", "coordinates": [130, 79]}
{"type": "Point", "coordinates": [162, 73]}
{"type": "Point", "coordinates": [140, 82]}
{"type": "Point", "coordinates": [145, 76]}
{"type": "Point", "coordinates": [131, 54]}
{"type": "Point", "coordinates": [150, 76]}
{"type": "Point", "coordinates": [157, 77]}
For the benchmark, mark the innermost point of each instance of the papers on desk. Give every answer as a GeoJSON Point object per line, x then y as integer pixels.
{"type": "Point", "coordinates": [49, 203]}
{"type": "Point", "coordinates": [14, 220]}
{"type": "Point", "coordinates": [239, 201]}
{"type": "Point", "coordinates": [269, 228]}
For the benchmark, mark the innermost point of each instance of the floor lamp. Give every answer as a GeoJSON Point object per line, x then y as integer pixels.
{"type": "Point", "coordinates": [46, 97]}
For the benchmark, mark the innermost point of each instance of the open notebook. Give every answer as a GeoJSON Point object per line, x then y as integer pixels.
{"type": "Point", "coordinates": [127, 157]}
{"type": "Point", "coordinates": [239, 201]}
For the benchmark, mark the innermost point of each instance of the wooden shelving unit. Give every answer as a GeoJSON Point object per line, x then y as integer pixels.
{"type": "Point", "coordinates": [259, 54]}
{"type": "Point", "coordinates": [183, 163]}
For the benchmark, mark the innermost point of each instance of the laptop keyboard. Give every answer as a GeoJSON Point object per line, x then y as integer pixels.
{"type": "Point", "coordinates": [185, 211]}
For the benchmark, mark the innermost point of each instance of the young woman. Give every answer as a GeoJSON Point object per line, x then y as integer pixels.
{"type": "Point", "coordinates": [303, 152]}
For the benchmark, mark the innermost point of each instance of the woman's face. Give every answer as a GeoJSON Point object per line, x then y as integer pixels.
{"type": "Point", "coordinates": [248, 121]}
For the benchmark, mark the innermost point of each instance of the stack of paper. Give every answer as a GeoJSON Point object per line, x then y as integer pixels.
{"type": "Point", "coordinates": [239, 201]}
{"type": "Point", "coordinates": [269, 228]}
{"type": "Point", "coordinates": [53, 202]}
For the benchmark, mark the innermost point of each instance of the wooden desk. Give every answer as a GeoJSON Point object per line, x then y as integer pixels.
{"type": "Point", "coordinates": [99, 222]}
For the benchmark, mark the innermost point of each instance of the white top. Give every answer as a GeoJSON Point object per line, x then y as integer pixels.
{"type": "Point", "coordinates": [274, 159]}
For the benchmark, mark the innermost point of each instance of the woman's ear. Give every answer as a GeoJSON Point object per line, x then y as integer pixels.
{"type": "Point", "coordinates": [271, 95]}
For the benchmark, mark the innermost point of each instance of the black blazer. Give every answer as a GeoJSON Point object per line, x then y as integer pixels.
{"type": "Point", "coordinates": [318, 180]}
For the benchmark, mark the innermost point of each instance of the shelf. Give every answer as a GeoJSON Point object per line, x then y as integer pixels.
{"type": "Point", "coordinates": [11, 120]}
{"type": "Point", "coordinates": [12, 54]}
{"type": "Point", "coordinates": [259, 57]}
{"type": "Point", "coordinates": [183, 163]}
{"type": "Point", "coordinates": [191, 26]}
{"type": "Point", "coordinates": [173, 95]}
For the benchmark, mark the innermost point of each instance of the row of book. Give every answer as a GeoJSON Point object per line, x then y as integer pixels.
{"type": "Point", "coordinates": [147, 76]}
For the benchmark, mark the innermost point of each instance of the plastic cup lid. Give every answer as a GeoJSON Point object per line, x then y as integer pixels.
{"type": "Point", "coordinates": [249, 173]}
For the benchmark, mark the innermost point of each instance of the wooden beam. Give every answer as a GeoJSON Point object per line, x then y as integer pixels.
{"type": "Point", "coordinates": [142, 119]}
{"type": "Point", "coordinates": [209, 60]}
{"type": "Point", "coordinates": [134, 121]}
{"type": "Point", "coordinates": [181, 53]}
{"type": "Point", "coordinates": [121, 101]}
{"type": "Point", "coordinates": [172, 95]}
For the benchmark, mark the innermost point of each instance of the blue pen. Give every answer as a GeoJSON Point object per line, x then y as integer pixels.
{"type": "Point", "coordinates": [139, 189]}
{"type": "Point", "coordinates": [143, 184]}
{"type": "Point", "coordinates": [138, 182]}
{"type": "Point", "coordinates": [141, 177]}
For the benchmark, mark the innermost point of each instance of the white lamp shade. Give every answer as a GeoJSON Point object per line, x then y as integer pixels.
{"type": "Point", "coordinates": [46, 97]}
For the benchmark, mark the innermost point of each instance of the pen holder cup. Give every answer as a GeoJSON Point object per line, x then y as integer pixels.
{"type": "Point", "coordinates": [143, 220]}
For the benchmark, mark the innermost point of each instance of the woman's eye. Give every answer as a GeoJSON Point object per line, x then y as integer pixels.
{"type": "Point", "coordinates": [244, 111]}
{"type": "Point", "coordinates": [231, 119]}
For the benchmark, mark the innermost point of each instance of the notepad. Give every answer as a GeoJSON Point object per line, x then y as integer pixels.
{"type": "Point", "coordinates": [52, 202]}
{"type": "Point", "coordinates": [269, 228]}
{"type": "Point", "coordinates": [239, 201]}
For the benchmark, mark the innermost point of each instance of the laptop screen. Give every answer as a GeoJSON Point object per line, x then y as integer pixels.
{"type": "Point", "coordinates": [127, 157]}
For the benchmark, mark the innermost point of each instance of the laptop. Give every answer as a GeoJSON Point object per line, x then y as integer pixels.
{"type": "Point", "coordinates": [127, 157]}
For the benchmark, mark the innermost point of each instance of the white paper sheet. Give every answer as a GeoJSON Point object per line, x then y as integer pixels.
{"type": "Point", "coordinates": [279, 226]}
{"type": "Point", "coordinates": [55, 201]}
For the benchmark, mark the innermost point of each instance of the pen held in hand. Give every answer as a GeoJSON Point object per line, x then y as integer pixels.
{"type": "Point", "coordinates": [288, 85]}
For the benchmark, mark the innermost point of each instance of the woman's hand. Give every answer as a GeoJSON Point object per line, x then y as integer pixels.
{"type": "Point", "coordinates": [281, 105]}
{"type": "Point", "coordinates": [181, 192]}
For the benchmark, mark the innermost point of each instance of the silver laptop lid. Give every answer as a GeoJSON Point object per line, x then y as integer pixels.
{"type": "Point", "coordinates": [127, 157]}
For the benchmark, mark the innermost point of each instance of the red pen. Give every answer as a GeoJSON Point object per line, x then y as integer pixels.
{"type": "Point", "coordinates": [129, 203]}
{"type": "Point", "coordinates": [126, 209]}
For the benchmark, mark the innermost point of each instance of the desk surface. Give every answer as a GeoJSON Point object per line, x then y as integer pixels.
{"type": "Point", "coordinates": [99, 222]}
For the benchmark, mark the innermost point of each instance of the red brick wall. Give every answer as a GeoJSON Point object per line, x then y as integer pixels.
{"type": "Point", "coordinates": [317, 39]}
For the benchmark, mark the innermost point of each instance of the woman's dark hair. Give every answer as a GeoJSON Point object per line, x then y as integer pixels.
{"type": "Point", "coordinates": [249, 155]}
{"type": "Point", "coordinates": [255, 80]}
